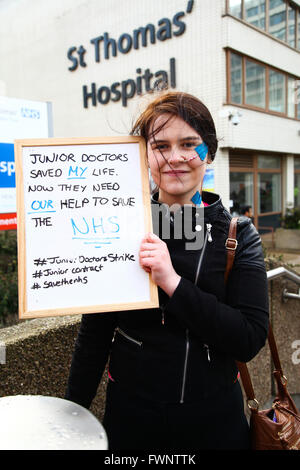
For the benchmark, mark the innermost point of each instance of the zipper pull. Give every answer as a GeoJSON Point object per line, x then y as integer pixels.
{"type": "Point", "coordinates": [207, 352]}
{"type": "Point", "coordinates": [162, 315]}
{"type": "Point", "coordinates": [208, 226]}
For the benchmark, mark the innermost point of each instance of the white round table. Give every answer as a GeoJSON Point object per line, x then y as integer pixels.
{"type": "Point", "coordinates": [35, 422]}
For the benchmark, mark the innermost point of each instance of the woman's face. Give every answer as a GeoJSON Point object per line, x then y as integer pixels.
{"type": "Point", "coordinates": [171, 160]}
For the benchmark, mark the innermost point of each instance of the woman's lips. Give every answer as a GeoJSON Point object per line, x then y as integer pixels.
{"type": "Point", "coordinates": [175, 172]}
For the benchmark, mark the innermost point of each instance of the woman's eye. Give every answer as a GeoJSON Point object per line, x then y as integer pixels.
{"type": "Point", "coordinates": [189, 145]}
{"type": "Point", "coordinates": [160, 147]}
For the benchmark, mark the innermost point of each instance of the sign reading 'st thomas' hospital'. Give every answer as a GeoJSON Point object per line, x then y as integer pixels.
{"type": "Point", "coordinates": [104, 47]}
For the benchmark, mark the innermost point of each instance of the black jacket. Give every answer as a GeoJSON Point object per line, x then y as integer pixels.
{"type": "Point", "coordinates": [186, 350]}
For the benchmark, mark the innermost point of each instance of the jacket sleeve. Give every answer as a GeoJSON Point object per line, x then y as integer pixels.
{"type": "Point", "coordinates": [238, 326]}
{"type": "Point", "coordinates": [92, 348]}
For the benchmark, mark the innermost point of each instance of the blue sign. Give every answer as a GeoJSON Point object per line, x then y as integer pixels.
{"type": "Point", "coordinates": [7, 166]}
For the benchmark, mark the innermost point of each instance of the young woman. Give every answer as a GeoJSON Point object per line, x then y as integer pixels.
{"type": "Point", "coordinates": [172, 371]}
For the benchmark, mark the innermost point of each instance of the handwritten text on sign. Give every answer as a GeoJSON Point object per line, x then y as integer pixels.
{"type": "Point", "coordinates": [84, 211]}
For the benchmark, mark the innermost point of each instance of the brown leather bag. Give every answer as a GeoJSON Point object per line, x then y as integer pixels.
{"type": "Point", "coordinates": [276, 428]}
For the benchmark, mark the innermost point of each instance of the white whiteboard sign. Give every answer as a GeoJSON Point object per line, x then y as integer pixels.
{"type": "Point", "coordinates": [83, 209]}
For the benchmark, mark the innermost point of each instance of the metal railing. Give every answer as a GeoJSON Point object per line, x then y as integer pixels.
{"type": "Point", "coordinates": [283, 272]}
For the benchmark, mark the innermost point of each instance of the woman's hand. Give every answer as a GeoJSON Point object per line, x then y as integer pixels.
{"type": "Point", "coordinates": [155, 259]}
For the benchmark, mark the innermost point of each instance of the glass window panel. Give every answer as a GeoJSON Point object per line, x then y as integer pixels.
{"type": "Point", "coordinates": [276, 91]}
{"type": "Point", "coordinates": [298, 98]}
{"type": "Point", "coordinates": [241, 191]}
{"type": "Point", "coordinates": [269, 192]}
{"type": "Point", "coordinates": [266, 161]}
{"type": "Point", "coordinates": [297, 189]}
{"type": "Point", "coordinates": [277, 18]}
{"type": "Point", "coordinates": [255, 84]}
{"type": "Point", "coordinates": [297, 164]}
{"type": "Point", "coordinates": [292, 26]}
{"type": "Point", "coordinates": [291, 96]}
{"type": "Point", "coordinates": [255, 13]}
{"type": "Point", "coordinates": [236, 78]}
{"type": "Point", "coordinates": [235, 8]}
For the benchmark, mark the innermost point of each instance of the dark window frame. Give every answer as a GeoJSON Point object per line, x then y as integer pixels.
{"type": "Point", "coordinates": [288, 3]}
{"type": "Point", "coordinates": [267, 68]}
{"type": "Point", "coordinates": [255, 171]}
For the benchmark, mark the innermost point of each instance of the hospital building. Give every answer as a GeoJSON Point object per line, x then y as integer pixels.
{"type": "Point", "coordinates": [99, 62]}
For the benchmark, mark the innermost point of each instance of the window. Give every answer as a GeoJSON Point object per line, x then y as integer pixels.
{"type": "Point", "coordinates": [236, 78]}
{"type": "Point", "coordinates": [297, 189]}
{"type": "Point", "coordinates": [255, 85]}
{"type": "Point", "coordinates": [255, 180]}
{"type": "Point", "coordinates": [278, 18]}
{"type": "Point", "coordinates": [277, 92]}
{"type": "Point", "coordinates": [291, 27]}
{"type": "Point", "coordinates": [291, 97]}
{"type": "Point", "coordinates": [241, 191]}
{"type": "Point", "coordinates": [297, 181]}
{"type": "Point", "coordinates": [269, 184]}
{"type": "Point", "coordinates": [269, 194]}
{"type": "Point", "coordinates": [255, 13]}
{"type": "Point", "coordinates": [235, 8]}
{"type": "Point", "coordinates": [265, 163]}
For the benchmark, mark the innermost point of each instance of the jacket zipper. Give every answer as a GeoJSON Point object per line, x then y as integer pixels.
{"type": "Point", "coordinates": [208, 237]}
{"type": "Point", "coordinates": [187, 348]}
{"type": "Point", "coordinates": [210, 240]}
{"type": "Point", "coordinates": [139, 343]}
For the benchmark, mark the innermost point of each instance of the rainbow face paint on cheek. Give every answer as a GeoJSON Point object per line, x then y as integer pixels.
{"type": "Point", "coordinates": [197, 199]}
{"type": "Point", "coordinates": [192, 158]}
{"type": "Point", "coordinates": [202, 151]}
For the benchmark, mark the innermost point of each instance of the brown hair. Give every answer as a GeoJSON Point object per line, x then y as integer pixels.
{"type": "Point", "coordinates": [187, 107]}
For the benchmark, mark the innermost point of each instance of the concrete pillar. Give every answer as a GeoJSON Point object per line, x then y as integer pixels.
{"type": "Point", "coordinates": [288, 182]}
{"type": "Point", "coordinates": [222, 183]}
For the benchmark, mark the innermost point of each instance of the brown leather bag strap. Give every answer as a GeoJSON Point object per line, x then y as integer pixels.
{"type": "Point", "coordinates": [244, 372]}
{"type": "Point", "coordinates": [246, 380]}
{"type": "Point", "coordinates": [274, 350]}
{"type": "Point", "coordinates": [231, 245]}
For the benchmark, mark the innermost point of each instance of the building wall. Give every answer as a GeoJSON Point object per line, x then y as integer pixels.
{"type": "Point", "coordinates": [35, 36]}
{"type": "Point", "coordinates": [37, 65]}
{"type": "Point", "coordinates": [258, 130]}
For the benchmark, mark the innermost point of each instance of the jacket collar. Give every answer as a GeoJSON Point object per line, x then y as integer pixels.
{"type": "Point", "coordinates": [211, 212]}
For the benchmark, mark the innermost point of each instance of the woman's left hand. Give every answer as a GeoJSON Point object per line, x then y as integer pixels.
{"type": "Point", "coordinates": [155, 259]}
